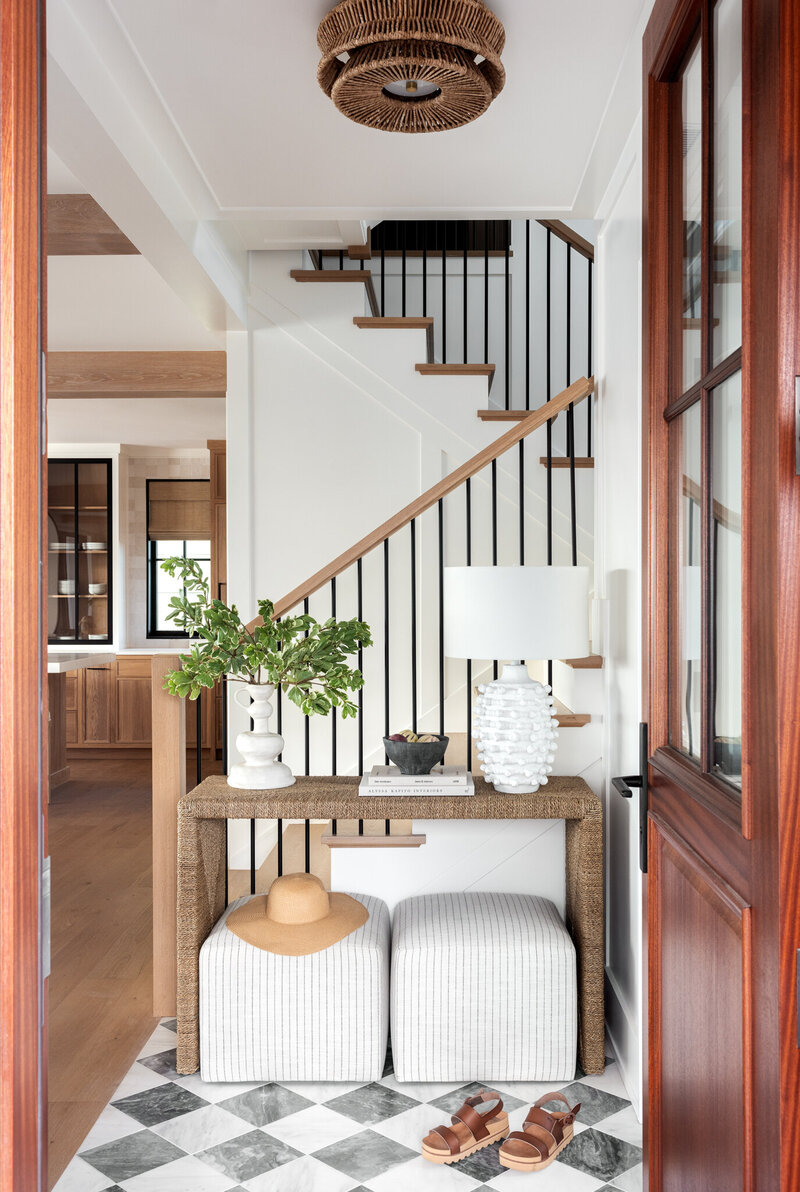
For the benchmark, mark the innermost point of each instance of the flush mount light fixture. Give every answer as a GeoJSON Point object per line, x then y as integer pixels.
{"type": "Point", "coordinates": [411, 65]}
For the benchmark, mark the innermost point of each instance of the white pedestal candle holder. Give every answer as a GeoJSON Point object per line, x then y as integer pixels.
{"type": "Point", "coordinates": [516, 731]}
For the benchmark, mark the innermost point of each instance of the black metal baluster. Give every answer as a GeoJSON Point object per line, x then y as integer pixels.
{"type": "Point", "coordinates": [521, 502]}
{"type": "Point", "coordinates": [527, 314]}
{"type": "Point", "coordinates": [424, 275]}
{"type": "Point", "coordinates": [252, 856]}
{"type": "Point", "coordinates": [333, 710]}
{"type": "Point", "coordinates": [486, 291]}
{"type": "Point", "coordinates": [494, 534]}
{"type": "Point", "coordinates": [441, 616]}
{"type": "Point", "coordinates": [198, 752]}
{"type": "Point", "coordinates": [383, 280]}
{"type": "Point", "coordinates": [280, 847]}
{"type": "Point", "coordinates": [414, 709]}
{"type": "Point", "coordinates": [589, 333]}
{"type": "Point", "coordinates": [224, 726]}
{"type": "Point", "coordinates": [308, 846]}
{"type": "Point", "coordinates": [307, 724]}
{"type": "Point", "coordinates": [466, 277]}
{"type": "Point", "coordinates": [468, 498]}
{"type": "Point", "coordinates": [548, 394]}
{"type": "Point", "coordinates": [341, 259]}
{"type": "Point", "coordinates": [360, 614]}
{"type": "Point", "coordinates": [444, 297]}
{"type": "Point", "coordinates": [571, 416]}
{"type": "Point", "coordinates": [403, 271]}
{"type": "Point", "coordinates": [386, 676]}
{"type": "Point", "coordinates": [507, 308]}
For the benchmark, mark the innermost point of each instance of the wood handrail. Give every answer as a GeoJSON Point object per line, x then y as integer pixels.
{"type": "Point", "coordinates": [584, 247]}
{"type": "Point", "coordinates": [574, 393]}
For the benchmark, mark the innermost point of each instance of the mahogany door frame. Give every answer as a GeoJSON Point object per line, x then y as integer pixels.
{"type": "Point", "coordinates": [22, 618]}
{"type": "Point", "coordinates": [755, 849]}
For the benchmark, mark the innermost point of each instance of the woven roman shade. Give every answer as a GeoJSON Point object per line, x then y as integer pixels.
{"type": "Point", "coordinates": [179, 509]}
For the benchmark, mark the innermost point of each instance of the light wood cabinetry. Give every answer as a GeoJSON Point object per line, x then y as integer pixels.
{"type": "Point", "coordinates": [110, 707]}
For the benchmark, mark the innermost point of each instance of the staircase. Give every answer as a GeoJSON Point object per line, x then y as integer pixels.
{"type": "Point", "coordinates": [500, 502]}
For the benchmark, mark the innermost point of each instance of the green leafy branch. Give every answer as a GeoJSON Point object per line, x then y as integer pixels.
{"type": "Point", "coordinates": [306, 658]}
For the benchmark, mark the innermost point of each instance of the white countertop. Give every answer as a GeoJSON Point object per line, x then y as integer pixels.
{"type": "Point", "coordinates": [59, 664]}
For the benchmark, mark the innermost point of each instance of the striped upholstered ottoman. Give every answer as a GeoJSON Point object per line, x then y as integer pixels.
{"type": "Point", "coordinates": [319, 1017]}
{"type": "Point", "coordinates": [483, 988]}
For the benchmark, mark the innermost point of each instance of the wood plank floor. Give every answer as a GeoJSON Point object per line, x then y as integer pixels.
{"type": "Point", "coordinates": [100, 987]}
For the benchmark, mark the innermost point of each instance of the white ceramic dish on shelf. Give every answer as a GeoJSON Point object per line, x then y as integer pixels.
{"type": "Point", "coordinates": [66, 587]}
{"type": "Point", "coordinates": [96, 637]}
{"type": "Point", "coordinates": [98, 589]}
{"type": "Point", "coordinates": [61, 546]}
{"type": "Point", "coordinates": [95, 546]}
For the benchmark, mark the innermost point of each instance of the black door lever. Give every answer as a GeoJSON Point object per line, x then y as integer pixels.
{"type": "Point", "coordinates": [623, 785]}
{"type": "Point", "coordinates": [626, 785]}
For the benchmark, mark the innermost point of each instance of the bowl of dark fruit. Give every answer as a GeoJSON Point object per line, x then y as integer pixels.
{"type": "Point", "coordinates": [415, 753]}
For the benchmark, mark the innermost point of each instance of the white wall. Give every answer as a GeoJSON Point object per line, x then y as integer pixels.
{"type": "Point", "coordinates": [618, 579]}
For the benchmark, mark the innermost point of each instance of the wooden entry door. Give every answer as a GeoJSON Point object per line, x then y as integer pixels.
{"type": "Point", "coordinates": [23, 710]}
{"type": "Point", "coordinates": [722, 253]}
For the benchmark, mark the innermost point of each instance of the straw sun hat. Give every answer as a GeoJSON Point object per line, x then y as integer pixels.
{"type": "Point", "coordinates": [297, 917]}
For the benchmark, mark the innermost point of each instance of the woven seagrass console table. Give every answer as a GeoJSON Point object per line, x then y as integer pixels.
{"type": "Point", "coordinates": [202, 869]}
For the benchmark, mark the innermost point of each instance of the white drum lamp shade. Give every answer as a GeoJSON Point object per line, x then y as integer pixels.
{"type": "Point", "coordinates": [513, 614]}
{"type": "Point", "coordinates": [516, 612]}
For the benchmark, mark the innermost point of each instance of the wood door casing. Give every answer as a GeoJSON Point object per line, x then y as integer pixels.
{"type": "Point", "coordinates": [23, 686]}
{"type": "Point", "coordinates": [712, 891]}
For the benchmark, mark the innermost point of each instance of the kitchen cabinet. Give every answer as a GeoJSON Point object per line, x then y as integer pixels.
{"type": "Point", "coordinates": [110, 707]}
{"type": "Point", "coordinates": [79, 579]}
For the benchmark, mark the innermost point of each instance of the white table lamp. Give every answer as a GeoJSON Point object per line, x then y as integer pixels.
{"type": "Point", "coordinates": [513, 614]}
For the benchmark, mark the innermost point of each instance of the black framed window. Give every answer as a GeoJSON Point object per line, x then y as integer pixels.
{"type": "Point", "coordinates": [162, 587]}
{"type": "Point", "coordinates": [178, 524]}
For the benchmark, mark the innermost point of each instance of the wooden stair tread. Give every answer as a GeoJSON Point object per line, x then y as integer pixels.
{"type": "Point", "coordinates": [362, 275]}
{"type": "Point", "coordinates": [399, 322]}
{"type": "Point", "coordinates": [503, 415]}
{"type": "Point", "coordinates": [563, 461]}
{"type": "Point", "coordinates": [457, 370]}
{"type": "Point", "coordinates": [590, 662]}
{"type": "Point", "coordinates": [568, 719]}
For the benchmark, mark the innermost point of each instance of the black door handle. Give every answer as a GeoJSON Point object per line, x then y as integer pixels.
{"type": "Point", "coordinates": [623, 785]}
{"type": "Point", "coordinates": [626, 785]}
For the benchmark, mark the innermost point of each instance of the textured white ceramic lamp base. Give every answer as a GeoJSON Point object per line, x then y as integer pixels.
{"type": "Point", "coordinates": [258, 746]}
{"type": "Point", "coordinates": [516, 731]}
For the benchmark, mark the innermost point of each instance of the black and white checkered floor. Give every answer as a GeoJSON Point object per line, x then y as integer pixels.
{"type": "Point", "coordinates": [168, 1133]}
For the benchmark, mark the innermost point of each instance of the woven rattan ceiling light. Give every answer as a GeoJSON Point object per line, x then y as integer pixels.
{"type": "Point", "coordinates": [411, 65]}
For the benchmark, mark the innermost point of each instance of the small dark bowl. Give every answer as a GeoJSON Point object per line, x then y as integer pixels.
{"type": "Point", "coordinates": [416, 757]}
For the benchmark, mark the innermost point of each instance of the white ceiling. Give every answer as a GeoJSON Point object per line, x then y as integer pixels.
{"type": "Point", "coordinates": [239, 82]}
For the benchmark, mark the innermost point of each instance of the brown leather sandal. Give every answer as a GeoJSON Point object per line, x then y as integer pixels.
{"type": "Point", "coordinates": [470, 1130]}
{"type": "Point", "coordinates": [543, 1136]}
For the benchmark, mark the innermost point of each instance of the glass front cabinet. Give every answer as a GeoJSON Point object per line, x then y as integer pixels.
{"type": "Point", "coordinates": [79, 579]}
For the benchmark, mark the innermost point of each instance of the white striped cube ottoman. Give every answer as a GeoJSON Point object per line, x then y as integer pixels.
{"type": "Point", "coordinates": [318, 1017]}
{"type": "Point", "coordinates": [483, 988]}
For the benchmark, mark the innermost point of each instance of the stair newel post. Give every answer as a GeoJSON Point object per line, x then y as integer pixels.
{"type": "Point", "coordinates": [441, 615]}
{"type": "Point", "coordinates": [334, 723]}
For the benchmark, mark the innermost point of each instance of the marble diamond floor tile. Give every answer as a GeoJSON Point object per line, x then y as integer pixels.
{"type": "Point", "coordinates": [169, 1133]}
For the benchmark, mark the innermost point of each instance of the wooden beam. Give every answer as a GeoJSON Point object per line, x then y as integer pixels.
{"type": "Point", "coordinates": [78, 226]}
{"type": "Point", "coordinates": [169, 784]}
{"type": "Point", "coordinates": [584, 247]}
{"type": "Point", "coordinates": [536, 418]}
{"type": "Point", "coordinates": [136, 374]}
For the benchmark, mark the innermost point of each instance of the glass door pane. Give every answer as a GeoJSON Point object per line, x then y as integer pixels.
{"type": "Point", "coordinates": [726, 559]}
{"type": "Point", "coordinates": [686, 731]}
{"type": "Point", "coordinates": [692, 171]}
{"type": "Point", "coordinates": [727, 214]}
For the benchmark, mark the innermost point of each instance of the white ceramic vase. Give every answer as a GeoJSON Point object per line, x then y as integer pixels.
{"type": "Point", "coordinates": [516, 731]}
{"type": "Point", "coordinates": [258, 746]}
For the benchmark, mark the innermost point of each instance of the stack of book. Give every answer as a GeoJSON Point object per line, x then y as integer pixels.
{"type": "Point", "coordinates": [442, 780]}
